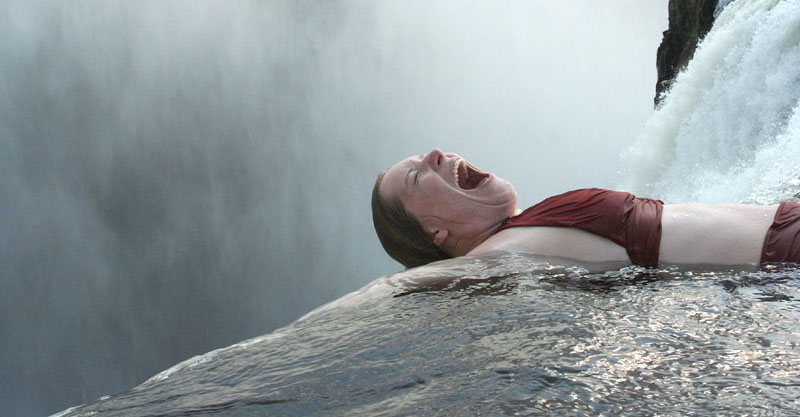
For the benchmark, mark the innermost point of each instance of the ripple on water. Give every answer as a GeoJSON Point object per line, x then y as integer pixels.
{"type": "Point", "coordinates": [511, 334]}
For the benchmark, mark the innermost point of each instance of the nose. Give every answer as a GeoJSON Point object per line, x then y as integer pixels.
{"type": "Point", "coordinates": [434, 158]}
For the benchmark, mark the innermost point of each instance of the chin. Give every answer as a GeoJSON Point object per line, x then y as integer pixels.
{"type": "Point", "coordinates": [508, 193]}
{"type": "Point", "coordinates": [506, 206]}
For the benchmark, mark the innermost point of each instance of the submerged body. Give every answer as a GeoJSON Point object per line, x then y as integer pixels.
{"type": "Point", "coordinates": [691, 234]}
{"type": "Point", "coordinates": [459, 210]}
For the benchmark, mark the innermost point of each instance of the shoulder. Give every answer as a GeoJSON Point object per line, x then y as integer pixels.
{"type": "Point", "coordinates": [578, 200]}
{"type": "Point", "coordinates": [587, 194]}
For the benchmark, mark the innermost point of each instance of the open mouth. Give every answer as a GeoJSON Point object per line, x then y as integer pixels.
{"type": "Point", "coordinates": [467, 176]}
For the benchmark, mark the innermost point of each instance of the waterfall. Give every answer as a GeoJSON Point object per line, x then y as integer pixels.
{"type": "Point", "coordinates": [729, 128]}
{"type": "Point", "coordinates": [177, 176]}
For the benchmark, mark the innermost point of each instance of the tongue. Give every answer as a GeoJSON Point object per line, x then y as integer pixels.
{"type": "Point", "coordinates": [469, 177]}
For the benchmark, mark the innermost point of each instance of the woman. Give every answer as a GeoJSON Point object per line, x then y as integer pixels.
{"type": "Point", "coordinates": [437, 206]}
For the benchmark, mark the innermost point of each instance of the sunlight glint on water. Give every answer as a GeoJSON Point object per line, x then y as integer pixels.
{"type": "Point", "coordinates": [512, 334]}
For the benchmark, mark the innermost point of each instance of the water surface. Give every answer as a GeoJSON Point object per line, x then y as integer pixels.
{"type": "Point", "coordinates": [510, 334]}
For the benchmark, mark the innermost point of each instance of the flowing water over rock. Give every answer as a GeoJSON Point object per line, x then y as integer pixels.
{"type": "Point", "coordinates": [729, 129]}
{"type": "Point", "coordinates": [178, 176]}
{"type": "Point", "coordinates": [502, 334]}
{"type": "Point", "coordinates": [510, 335]}
{"type": "Point", "coordinates": [520, 335]}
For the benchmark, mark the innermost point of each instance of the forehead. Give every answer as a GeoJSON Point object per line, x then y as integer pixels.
{"type": "Point", "coordinates": [394, 184]}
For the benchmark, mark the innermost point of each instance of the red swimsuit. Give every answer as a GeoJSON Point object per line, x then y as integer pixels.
{"type": "Point", "coordinates": [634, 223]}
{"type": "Point", "coordinates": [782, 243]}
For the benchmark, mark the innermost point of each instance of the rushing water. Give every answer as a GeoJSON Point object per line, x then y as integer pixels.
{"type": "Point", "coordinates": [729, 129]}
{"type": "Point", "coordinates": [511, 334]}
{"type": "Point", "coordinates": [177, 176]}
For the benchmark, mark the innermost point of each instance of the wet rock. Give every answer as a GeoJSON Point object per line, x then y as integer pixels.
{"type": "Point", "coordinates": [689, 22]}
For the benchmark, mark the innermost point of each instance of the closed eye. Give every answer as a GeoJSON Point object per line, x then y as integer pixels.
{"type": "Point", "coordinates": [416, 177]}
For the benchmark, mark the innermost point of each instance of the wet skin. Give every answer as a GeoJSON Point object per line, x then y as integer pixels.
{"type": "Point", "coordinates": [463, 218]}
{"type": "Point", "coordinates": [456, 218]}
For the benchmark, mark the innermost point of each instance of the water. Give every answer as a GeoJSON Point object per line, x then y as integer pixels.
{"type": "Point", "coordinates": [720, 7]}
{"type": "Point", "coordinates": [177, 176]}
{"type": "Point", "coordinates": [507, 334]}
{"type": "Point", "coordinates": [729, 129]}
{"type": "Point", "coordinates": [510, 335]}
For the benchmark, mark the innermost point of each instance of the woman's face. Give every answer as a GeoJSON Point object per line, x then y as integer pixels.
{"type": "Point", "coordinates": [443, 190]}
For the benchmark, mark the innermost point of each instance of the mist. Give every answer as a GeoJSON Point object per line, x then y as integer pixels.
{"type": "Point", "coordinates": [179, 176]}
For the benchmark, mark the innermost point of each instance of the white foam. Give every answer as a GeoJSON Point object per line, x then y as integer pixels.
{"type": "Point", "coordinates": [727, 131]}
{"type": "Point", "coordinates": [720, 7]}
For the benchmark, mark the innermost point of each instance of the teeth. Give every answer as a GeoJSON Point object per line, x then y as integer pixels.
{"type": "Point", "coordinates": [460, 165]}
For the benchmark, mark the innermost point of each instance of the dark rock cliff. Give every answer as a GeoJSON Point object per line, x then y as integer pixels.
{"type": "Point", "coordinates": [689, 21]}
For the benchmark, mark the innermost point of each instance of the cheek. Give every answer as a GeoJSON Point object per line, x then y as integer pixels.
{"type": "Point", "coordinates": [433, 191]}
{"type": "Point", "coordinates": [426, 203]}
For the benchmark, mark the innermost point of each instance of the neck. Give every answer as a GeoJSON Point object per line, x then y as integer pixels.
{"type": "Point", "coordinates": [463, 246]}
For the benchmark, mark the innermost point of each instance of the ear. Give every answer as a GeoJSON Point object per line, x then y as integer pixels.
{"type": "Point", "coordinates": [439, 236]}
